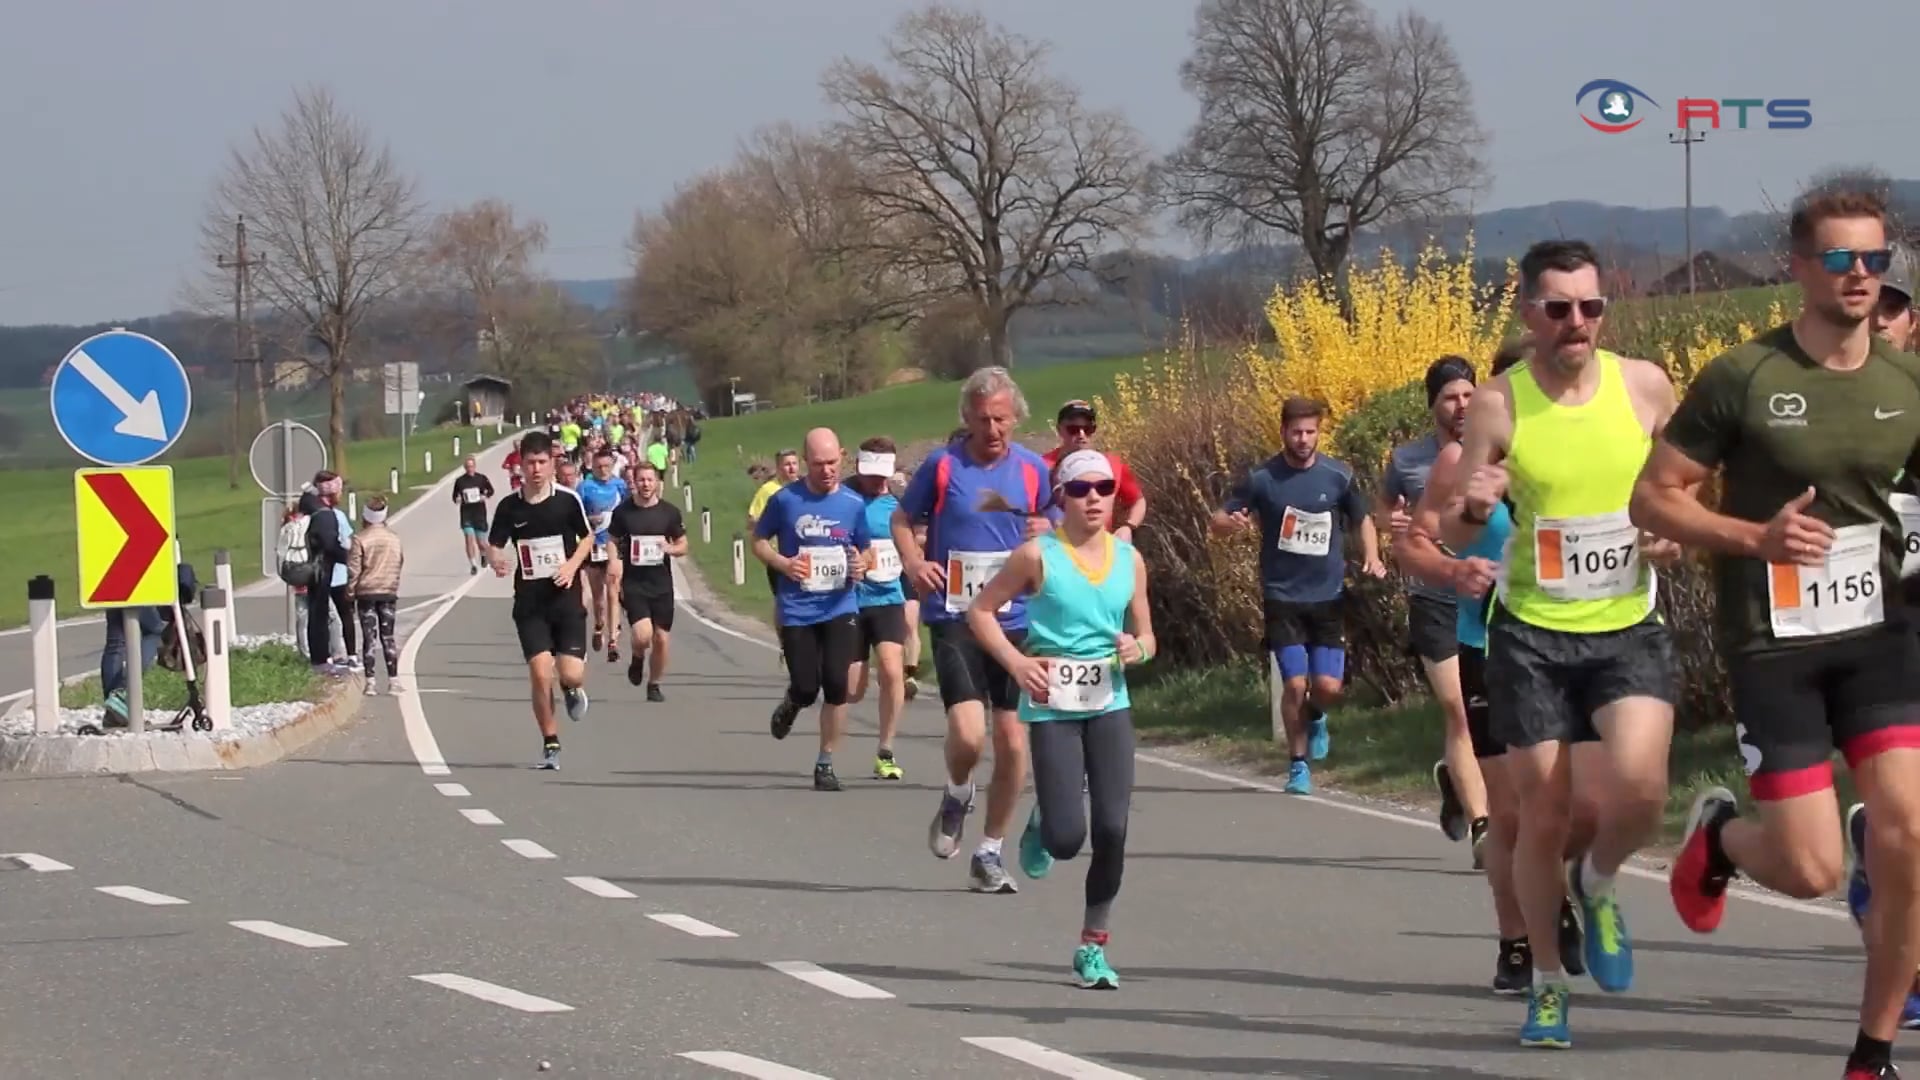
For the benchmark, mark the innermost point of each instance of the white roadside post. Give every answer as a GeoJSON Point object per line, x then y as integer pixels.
{"type": "Point", "coordinates": [688, 490]}
{"type": "Point", "coordinates": [393, 481]}
{"type": "Point", "coordinates": [456, 448]}
{"type": "Point", "coordinates": [217, 687]}
{"type": "Point", "coordinates": [676, 474]}
{"type": "Point", "coordinates": [479, 438]}
{"type": "Point", "coordinates": [706, 525]}
{"type": "Point", "coordinates": [426, 462]}
{"type": "Point", "coordinates": [46, 655]}
{"type": "Point", "coordinates": [223, 580]}
{"type": "Point", "coordinates": [353, 506]}
{"type": "Point", "coordinates": [739, 560]}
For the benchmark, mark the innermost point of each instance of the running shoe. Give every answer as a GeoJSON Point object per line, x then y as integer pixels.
{"type": "Point", "coordinates": [1910, 1013]}
{"type": "Point", "coordinates": [577, 702]}
{"type": "Point", "coordinates": [1513, 972]}
{"type": "Point", "coordinates": [1299, 779]}
{"type": "Point", "coordinates": [654, 694]}
{"type": "Point", "coordinates": [1859, 888]}
{"type": "Point", "coordinates": [1091, 968]}
{"type": "Point", "coordinates": [885, 768]}
{"type": "Point", "coordinates": [1699, 890]}
{"type": "Point", "coordinates": [1872, 1072]}
{"type": "Point", "coordinates": [637, 669]}
{"type": "Point", "coordinates": [1453, 816]}
{"type": "Point", "coordinates": [549, 756]}
{"type": "Point", "coordinates": [912, 686]}
{"type": "Point", "coordinates": [1318, 740]}
{"type": "Point", "coordinates": [613, 653]}
{"type": "Point", "coordinates": [1609, 951]}
{"type": "Point", "coordinates": [599, 639]}
{"type": "Point", "coordinates": [989, 875]}
{"type": "Point", "coordinates": [824, 779]}
{"type": "Point", "coordinates": [943, 836]}
{"type": "Point", "coordinates": [1478, 835]}
{"type": "Point", "coordinates": [1573, 943]}
{"type": "Point", "coordinates": [1035, 860]}
{"type": "Point", "coordinates": [1546, 1025]}
{"type": "Point", "coordinates": [473, 569]}
{"type": "Point", "coordinates": [784, 715]}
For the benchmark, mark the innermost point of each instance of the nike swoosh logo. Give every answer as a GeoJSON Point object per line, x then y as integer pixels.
{"type": "Point", "coordinates": [1879, 415]}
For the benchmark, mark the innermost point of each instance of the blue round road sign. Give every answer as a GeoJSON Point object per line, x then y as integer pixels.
{"type": "Point", "coordinates": [121, 398]}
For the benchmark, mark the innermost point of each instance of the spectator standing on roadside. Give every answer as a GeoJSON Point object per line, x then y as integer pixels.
{"type": "Point", "coordinates": [327, 536]}
{"type": "Point", "coordinates": [373, 583]}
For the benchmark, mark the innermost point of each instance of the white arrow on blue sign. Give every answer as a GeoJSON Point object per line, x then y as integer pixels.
{"type": "Point", "coordinates": [121, 398]}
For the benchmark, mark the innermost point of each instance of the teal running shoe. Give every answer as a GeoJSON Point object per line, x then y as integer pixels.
{"type": "Point", "coordinates": [1318, 741]}
{"type": "Point", "coordinates": [1035, 860]}
{"type": "Point", "coordinates": [1546, 1024]}
{"type": "Point", "coordinates": [1609, 948]}
{"type": "Point", "coordinates": [1090, 967]}
{"type": "Point", "coordinates": [1299, 779]}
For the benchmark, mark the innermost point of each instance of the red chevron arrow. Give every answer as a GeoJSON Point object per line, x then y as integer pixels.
{"type": "Point", "coordinates": [145, 537]}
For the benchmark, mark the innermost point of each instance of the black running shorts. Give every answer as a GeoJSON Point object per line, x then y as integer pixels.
{"type": "Point", "coordinates": [1545, 685]}
{"type": "Point", "coordinates": [1473, 689]}
{"type": "Point", "coordinates": [657, 609]}
{"type": "Point", "coordinates": [558, 626]}
{"type": "Point", "coordinates": [1433, 628]}
{"type": "Point", "coordinates": [967, 673]}
{"type": "Point", "coordinates": [1795, 706]}
{"type": "Point", "coordinates": [886, 624]}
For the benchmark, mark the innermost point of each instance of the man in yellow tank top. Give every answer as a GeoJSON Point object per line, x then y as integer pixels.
{"type": "Point", "coordinates": [1580, 671]}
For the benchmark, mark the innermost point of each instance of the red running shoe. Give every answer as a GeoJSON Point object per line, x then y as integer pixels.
{"type": "Point", "coordinates": [1700, 894]}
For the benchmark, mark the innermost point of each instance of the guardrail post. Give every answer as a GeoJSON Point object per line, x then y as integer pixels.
{"type": "Point", "coordinates": [223, 580]}
{"type": "Point", "coordinates": [706, 525]}
{"type": "Point", "coordinates": [46, 655]}
{"type": "Point", "coordinates": [216, 690]}
{"type": "Point", "coordinates": [739, 560]}
{"type": "Point", "coordinates": [427, 462]}
{"type": "Point", "coordinates": [688, 489]}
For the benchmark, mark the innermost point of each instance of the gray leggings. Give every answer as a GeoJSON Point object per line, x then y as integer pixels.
{"type": "Point", "coordinates": [1100, 748]}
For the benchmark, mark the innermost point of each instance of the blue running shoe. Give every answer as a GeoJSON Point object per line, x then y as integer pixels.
{"type": "Point", "coordinates": [1609, 947]}
{"type": "Point", "coordinates": [1299, 779]}
{"type": "Point", "coordinates": [1910, 1015]}
{"type": "Point", "coordinates": [1859, 889]}
{"type": "Point", "coordinates": [1035, 860]}
{"type": "Point", "coordinates": [1318, 741]}
{"type": "Point", "coordinates": [1546, 1025]}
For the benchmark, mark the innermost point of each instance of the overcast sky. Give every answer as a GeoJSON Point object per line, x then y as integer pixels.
{"type": "Point", "coordinates": [115, 115]}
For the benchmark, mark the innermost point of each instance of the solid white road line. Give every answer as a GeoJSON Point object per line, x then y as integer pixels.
{"type": "Point", "coordinates": [426, 749]}
{"type": "Point", "coordinates": [138, 895]}
{"type": "Point", "coordinates": [481, 817]}
{"type": "Point", "coordinates": [527, 849]}
{"type": "Point", "coordinates": [600, 887]}
{"type": "Point", "coordinates": [1773, 900]}
{"type": "Point", "coordinates": [306, 939]}
{"type": "Point", "coordinates": [690, 925]}
{"type": "Point", "coordinates": [831, 981]}
{"type": "Point", "coordinates": [452, 791]}
{"type": "Point", "coordinates": [743, 1065]}
{"type": "Point", "coordinates": [1052, 1061]}
{"type": "Point", "coordinates": [38, 863]}
{"type": "Point", "coordinates": [495, 993]}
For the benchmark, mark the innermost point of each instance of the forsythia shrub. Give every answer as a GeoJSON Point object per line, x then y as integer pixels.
{"type": "Point", "coordinates": [1193, 422]}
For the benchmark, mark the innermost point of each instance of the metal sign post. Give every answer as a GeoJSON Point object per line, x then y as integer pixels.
{"type": "Point", "coordinates": [279, 457]}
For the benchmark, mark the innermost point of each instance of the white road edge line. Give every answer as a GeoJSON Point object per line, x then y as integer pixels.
{"type": "Point", "coordinates": [1047, 1059]}
{"type": "Point", "coordinates": [600, 887]}
{"type": "Point", "coordinates": [527, 849]}
{"type": "Point", "coordinates": [420, 740]}
{"type": "Point", "coordinates": [495, 993]}
{"type": "Point", "coordinates": [480, 817]}
{"type": "Point", "coordinates": [37, 863]}
{"type": "Point", "coordinates": [831, 981]}
{"type": "Point", "coordinates": [138, 895]}
{"type": "Point", "coordinates": [689, 925]}
{"type": "Point", "coordinates": [758, 1068]}
{"type": "Point", "coordinates": [453, 791]}
{"type": "Point", "coordinates": [1768, 899]}
{"type": "Point", "coordinates": [292, 935]}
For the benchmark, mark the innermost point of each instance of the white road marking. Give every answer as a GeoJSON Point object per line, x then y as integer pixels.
{"type": "Point", "coordinates": [690, 925]}
{"type": "Point", "coordinates": [481, 817]}
{"type": "Point", "coordinates": [138, 895]}
{"type": "Point", "coordinates": [38, 863]}
{"type": "Point", "coordinates": [527, 849]}
{"type": "Point", "coordinates": [306, 939]}
{"type": "Point", "coordinates": [1773, 900]}
{"type": "Point", "coordinates": [495, 993]}
{"type": "Point", "coordinates": [600, 887]}
{"type": "Point", "coordinates": [420, 740]}
{"type": "Point", "coordinates": [831, 981]}
{"type": "Point", "coordinates": [1049, 1060]}
{"type": "Point", "coordinates": [759, 1068]}
{"type": "Point", "coordinates": [452, 791]}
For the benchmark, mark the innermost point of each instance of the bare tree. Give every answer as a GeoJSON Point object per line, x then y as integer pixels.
{"type": "Point", "coordinates": [985, 174]}
{"type": "Point", "coordinates": [337, 220]}
{"type": "Point", "coordinates": [1317, 122]}
{"type": "Point", "coordinates": [480, 258]}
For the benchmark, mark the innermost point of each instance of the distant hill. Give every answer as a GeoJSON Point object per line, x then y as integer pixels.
{"type": "Point", "coordinates": [600, 294]}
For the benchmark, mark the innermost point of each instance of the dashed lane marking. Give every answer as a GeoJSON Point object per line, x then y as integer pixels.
{"type": "Point", "coordinates": [600, 887]}
{"type": "Point", "coordinates": [139, 895]}
{"type": "Point", "coordinates": [1047, 1059]}
{"type": "Point", "coordinates": [452, 791]}
{"type": "Point", "coordinates": [481, 817]}
{"type": "Point", "coordinates": [292, 935]}
{"type": "Point", "coordinates": [495, 993]}
{"type": "Point", "coordinates": [527, 849]}
{"type": "Point", "coordinates": [687, 924]}
{"type": "Point", "coordinates": [743, 1065]}
{"type": "Point", "coordinates": [831, 981]}
{"type": "Point", "coordinates": [37, 863]}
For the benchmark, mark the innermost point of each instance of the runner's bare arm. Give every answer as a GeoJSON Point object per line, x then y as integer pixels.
{"type": "Point", "coordinates": [1653, 396]}
{"type": "Point", "coordinates": [1233, 516]}
{"type": "Point", "coordinates": [1695, 439]}
{"type": "Point", "coordinates": [1021, 573]}
{"type": "Point", "coordinates": [1139, 619]}
{"type": "Point", "coordinates": [1483, 447]}
{"type": "Point", "coordinates": [1419, 551]}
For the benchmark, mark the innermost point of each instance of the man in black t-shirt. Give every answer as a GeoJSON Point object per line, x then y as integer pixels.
{"type": "Point", "coordinates": [541, 536]}
{"type": "Point", "coordinates": [471, 490]}
{"type": "Point", "coordinates": [644, 533]}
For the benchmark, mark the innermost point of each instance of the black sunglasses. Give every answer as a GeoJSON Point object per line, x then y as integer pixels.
{"type": "Point", "coordinates": [1840, 260]}
{"type": "Point", "coordinates": [1079, 489]}
{"type": "Point", "coordinates": [1078, 429]}
{"type": "Point", "coordinates": [1590, 308]}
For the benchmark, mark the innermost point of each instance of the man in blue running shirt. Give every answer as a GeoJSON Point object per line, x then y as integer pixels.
{"type": "Point", "coordinates": [982, 495]}
{"type": "Point", "coordinates": [600, 492]}
{"type": "Point", "coordinates": [1304, 503]}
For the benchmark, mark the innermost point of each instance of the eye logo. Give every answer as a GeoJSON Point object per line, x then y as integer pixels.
{"type": "Point", "coordinates": [1614, 107]}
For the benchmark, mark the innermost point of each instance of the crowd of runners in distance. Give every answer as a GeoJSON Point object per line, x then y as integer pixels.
{"type": "Point", "coordinates": [1530, 526]}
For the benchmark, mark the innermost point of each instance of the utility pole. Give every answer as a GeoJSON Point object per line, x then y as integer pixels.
{"type": "Point", "coordinates": [245, 350]}
{"type": "Point", "coordinates": [1686, 141]}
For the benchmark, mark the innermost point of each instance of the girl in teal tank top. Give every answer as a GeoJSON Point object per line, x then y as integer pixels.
{"type": "Point", "coordinates": [1085, 589]}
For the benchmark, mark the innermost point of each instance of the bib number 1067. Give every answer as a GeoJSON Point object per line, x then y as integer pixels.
{"type": "Point", "coordinates": [1598, 560]}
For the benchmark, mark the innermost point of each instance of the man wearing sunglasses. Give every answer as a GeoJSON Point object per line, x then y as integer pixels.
{"type": "Point", "coordinates": [1076, 425]}
{"type": "Point", "coordinates": [1893, 319]}
{"type": "Point", "coordinates": [1580, 669]}
{"type": "Point", "coordinates": [1810, 427]}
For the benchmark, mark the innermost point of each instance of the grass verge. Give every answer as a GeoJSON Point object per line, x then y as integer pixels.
{"type": "Point", "coordinates": [262, 675]}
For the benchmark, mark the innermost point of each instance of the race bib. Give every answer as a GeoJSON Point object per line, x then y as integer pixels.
{"type": "Point", "coordinates": [470, 495]}
{"type": "Point", "coordinates": [1587, 558]}
{"type": "Point", "coordinates": [647, 550]}
{"type": "Point", "coordinates": [826, 569]}
{"type": "Point", "coordinates": [1082, 686]}
{"type": "Point", "coordinates": [540, 557]}
{"type": "Point", "coordinates": [1302, 533]}
{"type": "Point", "coordinates": [1908, 507]}
{"type": "Point", "coordinates": [1843, 594]}
{"type": "Point", "coordinates": [967, 573]}
{"type": "Point", "coordinates": [598, 554]}
{"type": "Point", "coordinates": [886, 563]}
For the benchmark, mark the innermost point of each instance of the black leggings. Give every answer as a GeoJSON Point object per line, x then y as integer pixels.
{"type": "Point", "coordinates": [1099, 748]}
{"type": "Point", "coordinates": [819, 656]}
{"type": "Point", "coordinates": [319, 637]}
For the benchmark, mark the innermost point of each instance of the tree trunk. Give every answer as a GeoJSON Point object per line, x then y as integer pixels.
{"type": "Point", "coordinates": [999, 342]}
{"type": "Point", "coordinates": [337, 414]}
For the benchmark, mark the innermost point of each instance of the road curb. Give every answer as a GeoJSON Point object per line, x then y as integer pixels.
{"type": "Point", "coordinates": [69, 755]}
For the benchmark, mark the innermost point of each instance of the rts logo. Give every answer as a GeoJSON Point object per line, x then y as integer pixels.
{"type": "Point", "coordinates": [1616, 107]}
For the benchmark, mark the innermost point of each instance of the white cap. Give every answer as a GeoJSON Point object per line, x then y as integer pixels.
{"type": "Point", "coordinates": [874, 464]}
{"type": "Point", "coordinates": [1082, 463]}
